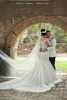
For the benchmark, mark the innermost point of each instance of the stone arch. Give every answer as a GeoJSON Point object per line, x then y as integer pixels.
{"type": "Point", "coordinates": [17, 29]}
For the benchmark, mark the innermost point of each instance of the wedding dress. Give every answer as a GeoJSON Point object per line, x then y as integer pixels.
{"type": "Point", "coordinates": [41, 78]}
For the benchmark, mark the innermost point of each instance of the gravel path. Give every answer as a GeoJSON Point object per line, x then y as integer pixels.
{"type": "Point", "coordinates": [57, 93]}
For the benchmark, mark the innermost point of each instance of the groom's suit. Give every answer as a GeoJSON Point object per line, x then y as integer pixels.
{"type": "Point", "coordinates": [52, 52]}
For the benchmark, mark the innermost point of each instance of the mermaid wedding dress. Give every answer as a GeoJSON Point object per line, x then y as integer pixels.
{"type": "Point", "coordinates": [40, 79]}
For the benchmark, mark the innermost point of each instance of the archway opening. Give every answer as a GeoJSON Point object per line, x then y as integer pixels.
{"type": "Point", "coordinates": [21, 26]}
{"type": "Point", "coordinates": [27, 39]}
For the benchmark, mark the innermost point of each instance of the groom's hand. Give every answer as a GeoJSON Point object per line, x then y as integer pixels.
{"type": "Point", "coordinates": [40, 49]}
{"type": "Point", "coordinates": [43, 50]}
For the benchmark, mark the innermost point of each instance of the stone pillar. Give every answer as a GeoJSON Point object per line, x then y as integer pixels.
{"type": "Point", "coordinates": [13, 52]}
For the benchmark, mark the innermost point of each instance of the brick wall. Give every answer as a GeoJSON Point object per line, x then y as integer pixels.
{"type": "Point", "coordinates": [15, 18]}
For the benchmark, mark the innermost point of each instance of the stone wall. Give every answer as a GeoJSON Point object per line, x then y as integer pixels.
{"type": "Point", "coordinates": [6, 31]}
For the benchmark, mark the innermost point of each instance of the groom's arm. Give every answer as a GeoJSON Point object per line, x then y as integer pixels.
{"type": "Point", "coordinates": [53, 44]}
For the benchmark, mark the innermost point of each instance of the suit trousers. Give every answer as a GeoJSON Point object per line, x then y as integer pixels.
{"type": "Point", "coordinates": [52, 60]}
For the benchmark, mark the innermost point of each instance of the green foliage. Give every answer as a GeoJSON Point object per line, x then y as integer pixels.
{"type": "Point", "coordinates": [26, 40]}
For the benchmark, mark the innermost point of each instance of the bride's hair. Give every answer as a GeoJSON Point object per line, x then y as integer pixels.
{"type": "Point", "coordinates": [43, 32]}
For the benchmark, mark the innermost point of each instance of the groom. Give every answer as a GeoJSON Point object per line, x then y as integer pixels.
{"type": "Point", "coordinates": [52, 50]}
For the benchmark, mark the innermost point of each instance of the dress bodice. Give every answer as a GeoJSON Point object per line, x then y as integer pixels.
{"type": "Point", "coordinates": [43, 44]}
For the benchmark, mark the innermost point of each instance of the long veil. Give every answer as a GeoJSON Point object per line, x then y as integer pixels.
{"type": "Point", "coordinates": [26, 64]}
{"type": "Point", "coordinates": [40, 79]}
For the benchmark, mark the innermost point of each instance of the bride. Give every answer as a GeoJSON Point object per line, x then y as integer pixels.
{"type": "Point", "coordinates": [42, 77]}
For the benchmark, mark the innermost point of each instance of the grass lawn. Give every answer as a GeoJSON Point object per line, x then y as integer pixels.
{"type": "Point", "coordinates": [61, 65]}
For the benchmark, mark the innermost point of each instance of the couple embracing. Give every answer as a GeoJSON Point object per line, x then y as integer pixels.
{"type": "Point", "coordinates": [52, 47]}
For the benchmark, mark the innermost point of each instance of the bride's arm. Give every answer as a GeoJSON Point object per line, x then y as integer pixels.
{"type": "Point", "coordinates": [48, 43]}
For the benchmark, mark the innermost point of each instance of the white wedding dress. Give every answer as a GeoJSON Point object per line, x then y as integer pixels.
{"type": "Point", "coordinates": [40, 79]}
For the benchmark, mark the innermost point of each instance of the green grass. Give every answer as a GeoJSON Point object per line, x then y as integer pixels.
{"type": "Point", "coordinates": [61, 65]}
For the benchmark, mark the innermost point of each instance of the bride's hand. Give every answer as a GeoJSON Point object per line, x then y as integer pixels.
{"type": "Point", "coordinates": [51, 37]}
